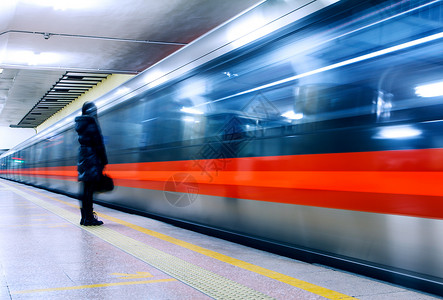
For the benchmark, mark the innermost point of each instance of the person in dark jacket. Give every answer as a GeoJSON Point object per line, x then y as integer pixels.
{"type": "Point", "coordinates": [92, 159]}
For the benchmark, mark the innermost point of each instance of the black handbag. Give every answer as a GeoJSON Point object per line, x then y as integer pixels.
{"type": "Point", "coordinates": [105, 184]}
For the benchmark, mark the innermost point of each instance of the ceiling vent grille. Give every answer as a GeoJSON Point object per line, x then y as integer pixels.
{"type": "Point", "coordinates": [70, 86]}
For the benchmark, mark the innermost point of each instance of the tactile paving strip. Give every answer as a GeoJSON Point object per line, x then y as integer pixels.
{"type": "Point", "coordinates": [209, 283]}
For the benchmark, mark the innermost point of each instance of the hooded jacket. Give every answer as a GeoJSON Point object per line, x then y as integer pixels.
{"type": "Point", "coordinates": [92, 154]}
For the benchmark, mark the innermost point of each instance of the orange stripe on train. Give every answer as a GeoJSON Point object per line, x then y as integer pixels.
{"type": "Point", "coordinates": [399, 174]}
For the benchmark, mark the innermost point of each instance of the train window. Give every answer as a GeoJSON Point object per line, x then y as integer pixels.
{"type": "Point", "coordinates": [71, 146]}
{"type": "Point", "coordinates": [54, 147]}
{"type": "Point", "coordinates": [123, 128]}
{"type": "Point", "coordinates": [164, 120]}
{"type": "Point", "coordinates": [41, 155]}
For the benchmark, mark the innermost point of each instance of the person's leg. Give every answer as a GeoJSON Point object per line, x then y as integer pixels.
{"type": "Point", "coordinates": [86, 201]}
{"type": "Point", "coordinates": [88, 216]}
{"type": "Point", "coordinates": [87, 196]}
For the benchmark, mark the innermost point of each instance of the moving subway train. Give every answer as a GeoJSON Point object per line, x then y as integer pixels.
{"type": "Point", "coordinates": [313, 128]}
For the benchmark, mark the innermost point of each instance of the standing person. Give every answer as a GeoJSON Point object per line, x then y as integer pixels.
{"type": "Point", "coordinates": [91, 160]}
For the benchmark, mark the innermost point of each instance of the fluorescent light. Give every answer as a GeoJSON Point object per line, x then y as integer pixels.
{"type": "Point", "coordinates": [292, 115]}
{"type": "Point", "coordinates": [191, 110]}
{"type": "Point", "coordinates": [398, 132]}
{"type": "Point", "coordinates": [430, 90]}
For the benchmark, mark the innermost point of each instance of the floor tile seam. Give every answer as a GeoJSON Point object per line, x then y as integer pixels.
{"type": "Point", "coordinates": [208, 288]}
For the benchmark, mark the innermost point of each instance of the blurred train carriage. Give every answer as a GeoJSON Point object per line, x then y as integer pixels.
{"type": "Point", "coordinates": [321, 139]}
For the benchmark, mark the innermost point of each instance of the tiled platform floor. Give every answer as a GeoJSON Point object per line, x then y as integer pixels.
{"type": "Point", "coordinates": [46, 254]}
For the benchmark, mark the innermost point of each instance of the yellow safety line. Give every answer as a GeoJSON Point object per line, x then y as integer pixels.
{"type": "Point", "coordinates": [304, 285]}
{"type": "Point", "coordinates": [80, 287]}
{"type": "Point", "coordinates": [207, 282]}
{"type": "Point", "coordinates": [307, 286]}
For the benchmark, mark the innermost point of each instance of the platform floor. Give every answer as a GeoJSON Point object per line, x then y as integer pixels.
{"type": "Point", "coordinates": [46, 254]}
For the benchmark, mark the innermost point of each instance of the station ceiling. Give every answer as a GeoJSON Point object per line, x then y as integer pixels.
{"type": "Point", "coordinates": [51, 51]}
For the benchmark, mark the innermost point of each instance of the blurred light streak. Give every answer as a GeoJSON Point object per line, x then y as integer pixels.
{"type": "Point", "coordinates": [430, 90]}
{"type": "Point", "coordinates": [292, 115]}
{"type": "Point", "coordinates": [338, 65]}
{"type": "Point", "coordinates": [193, 89]}
{"type": "Point", "coordinates": [154, 78]}
{"type": "Point", "coordinates": [190, 119]}
{"type": "Point", "coordinates": [248, 30]}
{"type": "Point", "coordinates": [398, 132]}
{"type": "Point", "coordinates": [191, 110]}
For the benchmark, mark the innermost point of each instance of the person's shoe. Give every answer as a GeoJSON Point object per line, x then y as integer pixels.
{"type": "Point", "coordinates": [92, 220]}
